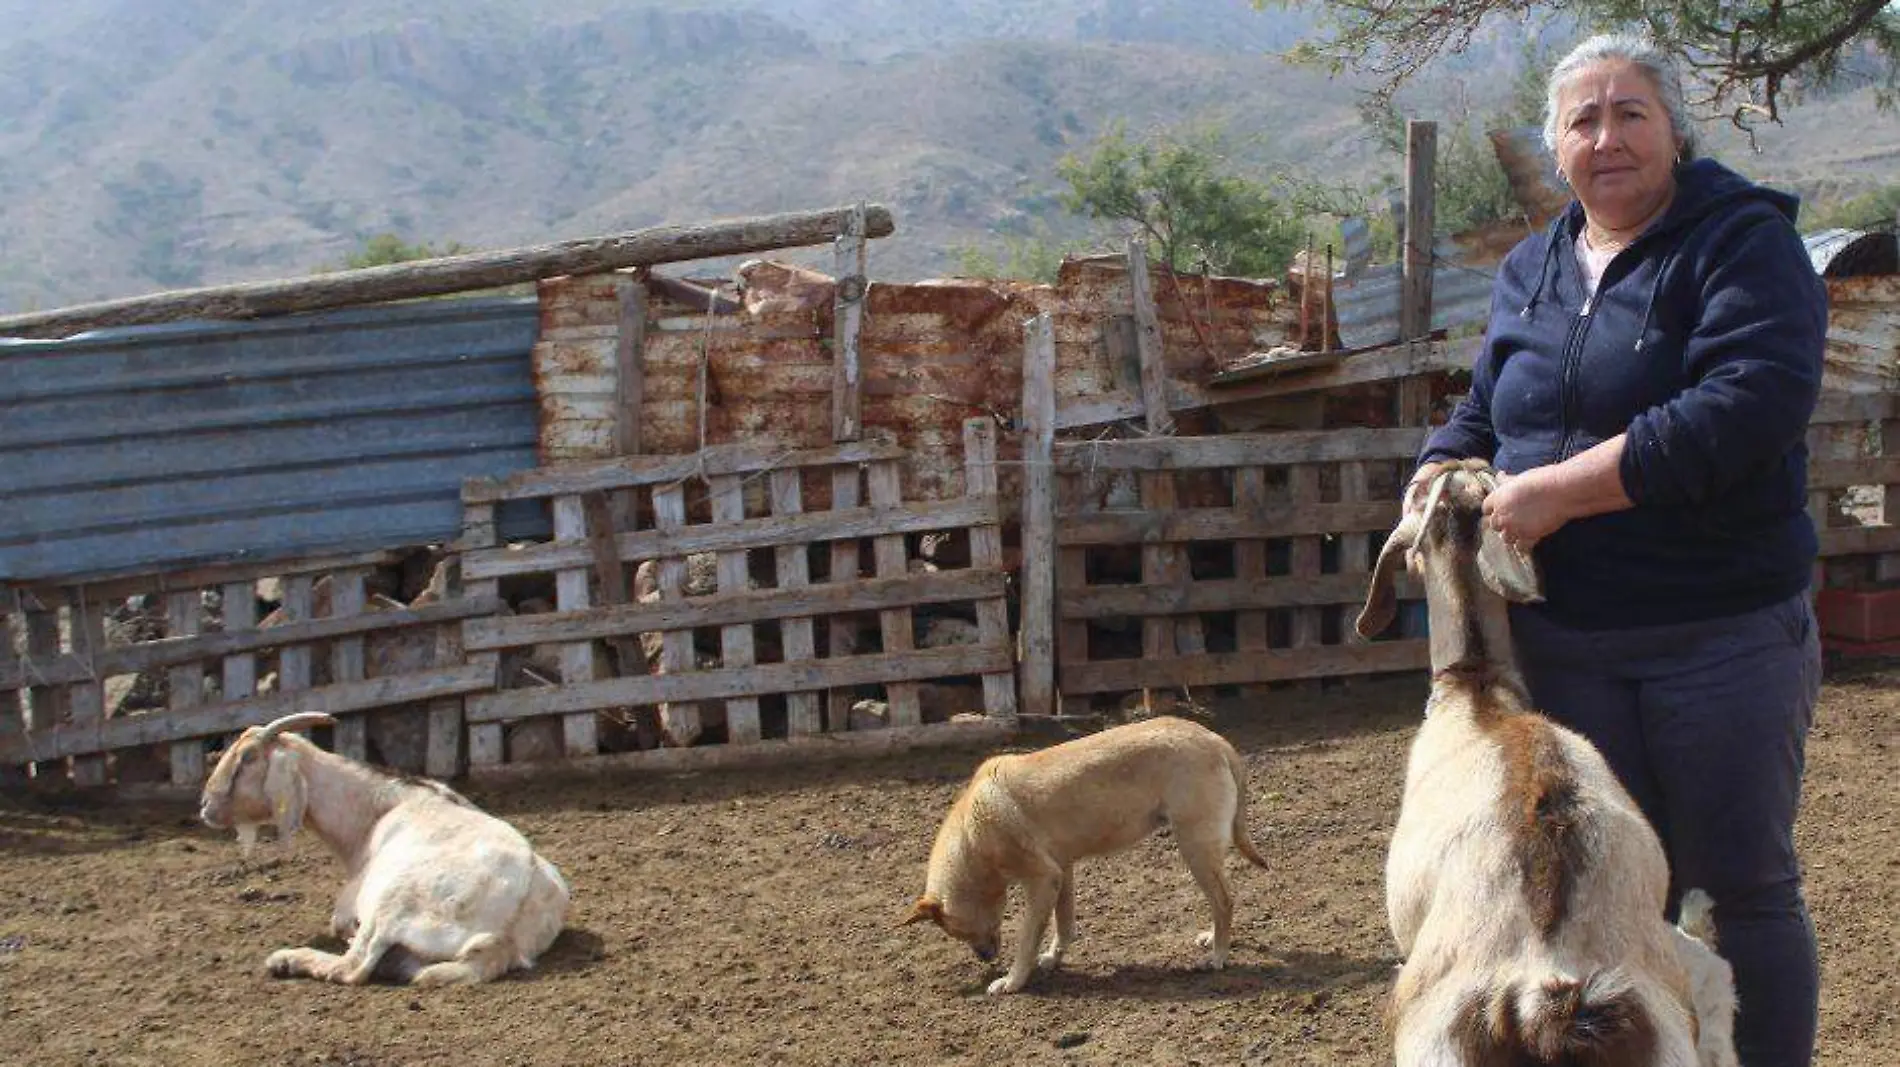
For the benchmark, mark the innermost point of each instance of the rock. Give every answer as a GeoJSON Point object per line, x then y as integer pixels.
{"type": "Point", "coordinates": [869, 715]}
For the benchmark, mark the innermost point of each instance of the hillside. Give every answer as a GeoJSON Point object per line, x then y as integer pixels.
{"type": "Point", "coordinates": [147, 146]}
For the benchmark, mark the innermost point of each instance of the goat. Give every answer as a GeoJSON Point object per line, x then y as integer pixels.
{"type": "Point", "coordinates": [439, 892]}
{"type": "Point", "coordinates": [1524, 887]}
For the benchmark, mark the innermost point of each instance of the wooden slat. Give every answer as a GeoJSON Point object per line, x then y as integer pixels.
{"type": "Point", "coordinates": [1355, 549]}
{"type": "Point", "coordinates": [1237, 594]}
{"type": "Point", "coordinates": [185, 684]}
{"type": "Point", "coordinates": [721, 609]}
{"type": "Point", "coordinates": [796, 751]}
{"type": "Point", "coordinates": [986, 552]}
{"type": "Point", "coordinates": [86, 617]}
{"type": "Point", "coordinates": [12, 714]}
{"type": "Point", "coordinates": [1037, 641]}
{"type": "Point", "coordinates": [736, 648]}
{"type": "Point", "coordinates": [1239, 450]}
{"type": "Point", "coordinates": [1241, 668]}
{"type": "Point", "coordinates": [347, 597]}
{"type": "Point", "coordinates": [767, 532]}
{"type": "Point", "coordinates": [1887, 565]}
{"type": "Point", "coordinates": [486, 743]}
{"type": "Point", "coordinates": [1250, 564]}
{"type": "Point", "coordinates": [841, 634]}
{"type": "Point", "coordinates": [1303, 553]}
{"type": "Point", "coordinates": [239, 668]}
{"type": "Point", "coordinates": [1148, 349]}
{"type": "Point", "coordinates": [114, 588]}
{"type": "Point", "coordinates": [680, 722]}
{"type": "Point", "coordinates": [1415, 266]}
{"type": "Point", "coordinates": [1841, 473]}
{"type": "Point", "coordinates": [847, 422]}
{"type": "Point", "coordinates": [1835, 407]}
{"type": "Point", "coordinates": [226, 716]}
{"type": "Point", "coordinates": [1222, 524]}
{"type": "Point", "coordinates": [894, 624]}
{"type": "Point", "coordinates": [238, 641]}
{"type": "Point", "coordinates": [49, 702]}
{"type": "Point", "coordinates": [804, 712]}
{"type": "Point", "coordinates": [1160, 565]}
{"type": "Point", "coordinates": [726, 683]}
{"type": "Point", "coordinates": [610, 577]}
{"type": "Point", "coordinates": [1860, 540]}
{"type": "Point", "coordinates": [628, 472]}
{"type": "Point", "coordinates": [1398, 362]}
{"type": "Point", "coordinates": [442, 740]}
{"type": "Point", "coordinates": [293, 663]}
{"type": "Point", "coordinates": [578, 732]}
{"type": "Point", "coordinates": [630, 293]}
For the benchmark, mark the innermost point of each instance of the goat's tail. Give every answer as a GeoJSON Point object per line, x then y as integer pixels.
{"type": "Point", "coordinates": [1596, 1021]}
{"type": "Point", "coordinates": [1243, 841]}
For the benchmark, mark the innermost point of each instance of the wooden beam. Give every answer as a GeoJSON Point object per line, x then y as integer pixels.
{"type": "Point", "coordinates": [1243, 668]}
{"type": "Point", "coordinates": [184, 683]}
{"type": "Point", "coordinates": [736, 639]}
{"type": "Point", "coordinates": [1224, 524]}
{"type": "Point", "coordinates": [1415, 268]}
{"type": "Point", "coordinates": [1238, 450]}
{"type": "Point", "coordinates": [236, 640]}
{"type": "Point", "coordinates": [804, 712]}
{"type": "Point", "coordinates": [794, 751]}
{"type": "Point", "coordinates": [630, 348]}
{"type": "Point", "coordinates": [104, 588]}
{"type": "Point", "coordinates": [1038, 644]}
{"type": "Point", "coordinates": [1148, 348]}
{"type": "Point", "coordinates": [986, 552]}
{"type": "Point", "coordinates": [680, 722]}
{"type": "Point", "coordinates": [627, 472]}
{"type": "Point", "coordinates": [729, 683]}
{"type": "Point", "coordinates": [224, 717]}
{"type": "Point", "coordinates": [895, 627]}
{"type": "Point", "coordinates": [847, 492]}
{"type": "Point", "coordinates": [348, 596]}
{"type": "Point", "coordinates": [847, 420]}
{"type": "Point", "coordinates": [1225, 594]}
{"type": "Point", "coordinates": [1859, 540]}
{"type": "Point", "coordinates": [1391, 362]}
{"type": "Point", "coordinates": [579, 733]}
{"type": "Point", "coordinates": [1841, 473]}
{"type": "Point", "coordinates": [1855, 407]}
{"type": "Point", "coordinates": [456, 274]}
{"type": "Point", "coordinates": [767, 532]}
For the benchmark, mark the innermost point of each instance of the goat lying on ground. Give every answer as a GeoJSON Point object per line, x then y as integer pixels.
{"type": "Point", "coordinates": [438, 892]}
{"type": "Point", "coordinates": [1523, 885]}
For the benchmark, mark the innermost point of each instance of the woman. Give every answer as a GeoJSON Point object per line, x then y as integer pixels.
{"type": "Point", "coordinates": [1652, 362]}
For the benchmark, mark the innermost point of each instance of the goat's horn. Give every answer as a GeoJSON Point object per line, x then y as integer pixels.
{"type": "Point", "coordinates": [298, 721]}
{"type": "Point", "coordinates": [1433, 498]}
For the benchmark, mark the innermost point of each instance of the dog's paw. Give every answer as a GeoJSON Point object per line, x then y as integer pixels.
{"type": "Point", "coordinates": [1049, 960]}
{"type": "Point", "coordinates": [1004, 985]}
{"type": "Point", "coordinates": [282, 963]}
{"type": "Point", "coordinates": [1205, 939]}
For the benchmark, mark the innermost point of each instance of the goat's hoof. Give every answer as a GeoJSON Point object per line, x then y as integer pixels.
{"type": "Point", "coordinates": [1003, 985]}
{"type": "Point", "coordinates": [1049, 961]}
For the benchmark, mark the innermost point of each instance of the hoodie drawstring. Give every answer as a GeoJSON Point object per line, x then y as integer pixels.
{"type": "Point", "coordinates": [1543, 272]}
{"type": "Point", "coordinates": [1649, 307]}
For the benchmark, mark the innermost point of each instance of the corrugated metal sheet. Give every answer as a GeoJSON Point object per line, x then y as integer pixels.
{"type": "Point", "coordinates": [1839, 253]}
{"type": "Point", "coordinates": [144, 449]}
{"type": "Point", "coordinates": [1368, 308]}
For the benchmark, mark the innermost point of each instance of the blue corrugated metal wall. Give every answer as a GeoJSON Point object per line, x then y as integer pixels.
{"type": "Point", "coordinates": [144, 449]}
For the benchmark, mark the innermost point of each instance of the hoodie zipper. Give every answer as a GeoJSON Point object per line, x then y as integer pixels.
{"type": "Point", "coordinates": [1573, 366]}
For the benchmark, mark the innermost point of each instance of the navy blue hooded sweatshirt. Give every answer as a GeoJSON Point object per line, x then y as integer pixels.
{"type": "Point", "coordinates": [1704, 342]}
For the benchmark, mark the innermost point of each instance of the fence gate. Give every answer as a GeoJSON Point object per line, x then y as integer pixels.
{"type": "Point", "coordinates": [724, 601]}
{"type": "Point", "coordinates": [1187, 562]}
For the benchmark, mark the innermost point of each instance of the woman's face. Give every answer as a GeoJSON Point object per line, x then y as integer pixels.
{"type": "Point", "coordinates": [1615, 143]}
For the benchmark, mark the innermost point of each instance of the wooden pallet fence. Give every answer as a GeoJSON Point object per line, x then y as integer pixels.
{"type": "Point", "coordinates": [741, 510]}
{"type": "Point", "coordinates": [79, 690]}
{"type": "Point", "coordinates": [1271, 580]}
{"type": "Point", "coordinates": [1853, 467]}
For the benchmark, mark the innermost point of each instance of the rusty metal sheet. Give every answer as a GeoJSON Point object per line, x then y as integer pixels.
{"type": "Point", "coordinates": [1863, 334]}
{"type": "Point", "coordinates": [150, 448]}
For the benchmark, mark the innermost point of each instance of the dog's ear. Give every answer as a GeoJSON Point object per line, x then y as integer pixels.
{"type": "Point", "coordinates": [927, 909]}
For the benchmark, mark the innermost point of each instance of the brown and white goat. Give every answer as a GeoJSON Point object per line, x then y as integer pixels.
{"type": "Point", "coordinates": [438, 892]}
{"type": "Point", "coordinates": [1523, 885]}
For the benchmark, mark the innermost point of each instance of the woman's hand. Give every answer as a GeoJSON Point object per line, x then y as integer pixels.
{"type": "Point", "coordinates": [1526, 508]}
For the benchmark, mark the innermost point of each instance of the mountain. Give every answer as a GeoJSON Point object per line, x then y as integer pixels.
{"type": "Point", "coordinates": [146, 146]}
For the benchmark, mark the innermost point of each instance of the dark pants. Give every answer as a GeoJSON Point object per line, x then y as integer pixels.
{"type": "Point", "coordinates": [1705, 723]}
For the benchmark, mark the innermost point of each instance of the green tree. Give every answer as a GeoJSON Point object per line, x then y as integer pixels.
{"type": "Point", "coordinates": [383, 249]}
{"type": "Point", "coordinates": [1033, 257]}
{"type": "Point", "coordinates": [1744, 56]}
{"type": "Point", "coordinates": [1868, 211]}
{"type": "Point", "coordinates": [1183, 195]}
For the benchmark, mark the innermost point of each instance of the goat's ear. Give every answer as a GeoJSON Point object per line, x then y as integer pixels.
{"type": "Point", "coordinates": [927, 909]}
{"type": "Point", "coordinates": [1382, 598]}
{"type": "Point", "coordinates": [1509, 571]}
{"type": "Point", "coordinates": [284, 786]}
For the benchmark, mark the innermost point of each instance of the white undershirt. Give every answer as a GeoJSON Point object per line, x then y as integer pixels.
{"type": "Point", "coordinates": [1591, 262]}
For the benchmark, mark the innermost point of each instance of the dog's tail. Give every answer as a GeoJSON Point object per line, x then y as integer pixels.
{"type": "Point", "coordinates": [1242, 839]}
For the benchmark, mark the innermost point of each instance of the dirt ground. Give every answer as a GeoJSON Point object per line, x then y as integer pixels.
{"type": "Point", "coordinates": [739, 919]}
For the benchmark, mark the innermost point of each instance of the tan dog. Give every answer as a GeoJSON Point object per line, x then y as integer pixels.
{"type": "Point", "coordinates": [1027, 818]}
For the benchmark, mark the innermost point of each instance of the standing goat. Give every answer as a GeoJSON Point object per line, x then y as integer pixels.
{"type": "Point", "coordinates": [439, 892]}
{"type": "Point", "coordinates": [1523, 885]}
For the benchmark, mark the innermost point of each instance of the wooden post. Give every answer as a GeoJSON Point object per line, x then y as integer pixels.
{"type": "Point", "coordinates": [87, 621]}
{"type": "Point", "coordinates": [1154, 372]}
{"type": "Point", "coordinates": [803, 711]}
{"type": "Point", "coordinates": [1355, 549]}
{"type": "Point", "coordinates": [486, 742]}
{"type": "Point", "coordinates": [12, 721]}
{"type": "Point", "coordinates": [848, 256]}
{"type": "Point", "coordinates": [50, 703]}
{"type": "Point", "coordinates": [1250, 564]}
{"type": "Point", "coordinates": [630, 343]}
{"type": "Point", "coordinates": [579, 735]}
{"type": "Point", "coordinates": [347, 597]}
{"type": "Point", "coordinates": [680, 723]}
{"type": "Point", "coordinates": [1303, 562]}
{"type": "Point", "coordinates": [1415, 290]}
{"type": "Point", "coordinates": [841, 636]}
{"type": "Point", "coordinates": [735, 642]}
{"type": "Point", "coordinates": [889, 553]}
{"type": "Point", "coordinates": [986, 552]}
{"type": "Point", "coordinates": [1039, 517]}
{"type": "Point", "coordinates": [238, 672]}
{"type": "Point", "coordinates": [185, 684]}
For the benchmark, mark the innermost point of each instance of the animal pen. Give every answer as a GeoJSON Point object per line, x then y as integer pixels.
{"type": "Point", "coordinates": [645, 520]}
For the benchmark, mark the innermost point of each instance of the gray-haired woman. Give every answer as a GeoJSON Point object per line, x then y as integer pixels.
{"type": "Point", "coordinates": [1651, 365]}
